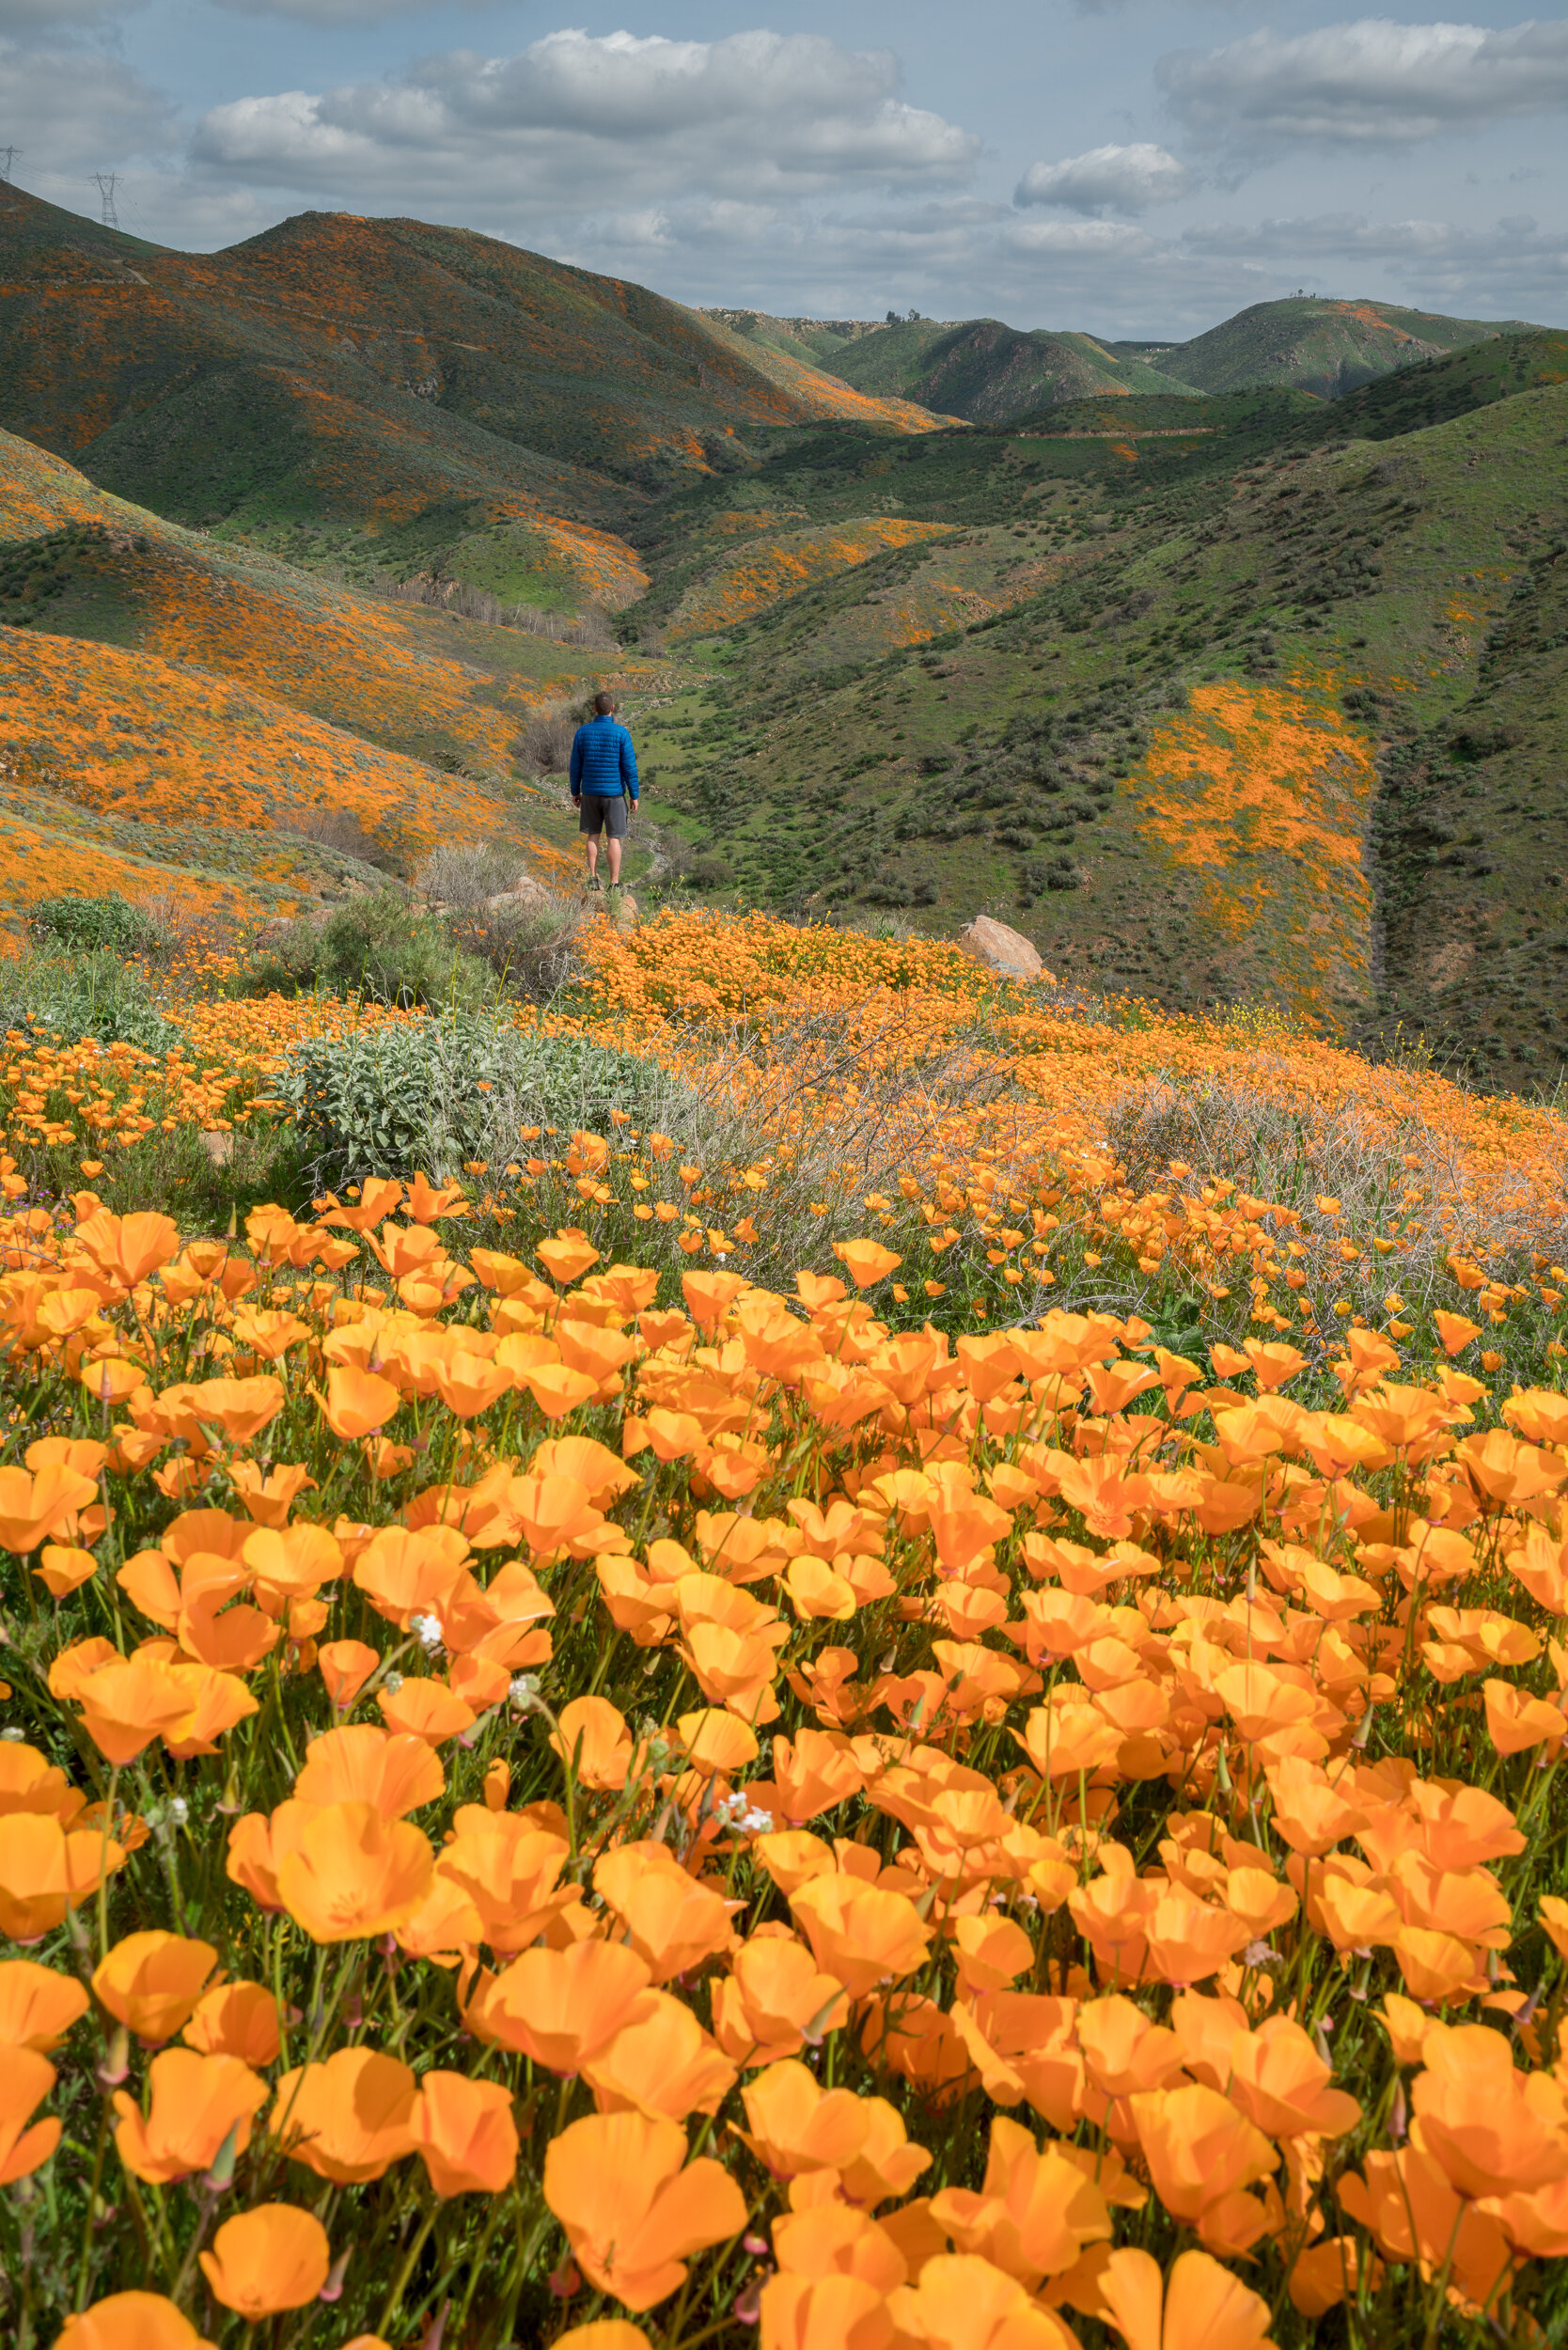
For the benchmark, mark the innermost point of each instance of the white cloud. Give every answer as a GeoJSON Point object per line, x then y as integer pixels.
{"type": "Point", "coordinates": [1372, 82]}
{"type": "Point", "coordinates": [1114, 179]}
{"type": "Point", "coordinates": [581, 124]}
{"type": "Point", "coordinates": [76, 111]}
{"type": "Point", "coordinates": [1490, 268]}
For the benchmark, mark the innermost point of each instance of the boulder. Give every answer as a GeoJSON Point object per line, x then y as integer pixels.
{"type": "Point", "coordinates": [526, 893]}
{"type": "Point", "coordinates": [1007, 953]}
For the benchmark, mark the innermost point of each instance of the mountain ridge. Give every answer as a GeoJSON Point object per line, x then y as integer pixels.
{"type": "Point", "coordinates": [986, 371]}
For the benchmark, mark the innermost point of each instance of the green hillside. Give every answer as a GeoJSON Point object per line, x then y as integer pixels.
{"type": "Point", "coordinates": [1254, 708]}
{"type": "Point", "coordinates": [987, 372]}
{"type": "Point", "coordinates": [980, 369]}
{"type": "Point", "coordinates": [378, 392]}
{"type": "Point", "coordinates": [1222, 694]}
{"type": "Point", "coordinates": [1330, 348]}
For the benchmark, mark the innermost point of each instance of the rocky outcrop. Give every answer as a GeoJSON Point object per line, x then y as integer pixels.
{"type": "Point", "coordinates": [1007, 953]}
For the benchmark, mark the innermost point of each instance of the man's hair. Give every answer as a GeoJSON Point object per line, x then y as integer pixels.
{"type": "Point", "coordinates": [602, 705]}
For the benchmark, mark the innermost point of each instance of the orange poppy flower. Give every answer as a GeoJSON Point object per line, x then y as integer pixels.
{"type": "Point", "coordinates": [508, 1869]}
{"type": "Point", "coordinates": [593, 1737]}
{"type": "Point", "coordinates": [129, 1703]}
{"type": "Point", "coordinates": [407, 1572]}
{"type": "Point", "coordinates": [1280, 2082]}
{"type": "Point", "coordinates": [353, 1873]}
{"type": "Point", "coordinates": [127, 1248]}
{"type": "Point", "coordinates": [1477, 2117]}
{"type": "Point", "coordinates": [150, 1982]}
{"type": "Point", "coordinates": [345, 1666]}
{"type": "Point", "coordinates": [831, 2313]}
{"type": "Point", "coordinates": [561, 2007]}
{"type": "Point", "coordinates": [194, 2103]}
{"type": "Point", "coordinates": [837, 2240]}
{"type": "Point", "coordinates": [42, 1508]}
{"type": "Point", "coordinates": [567, 1258]}
{"type": "Point", "coordinates": [1202, 2156]}
{"type": "Point", "coordinates": [1412, 2212]}
{"type": "Point", "coordinates": [25, 2079]}
{"type": "Point", "coordinates": [798, 2127]}
{"type": "Point", "coordinates": [427, 1710]}
{"type": "Point", "coordinates": [62, 1569]}
{"type": "Point", "coordinates": [348, 2120]}
{"type": "Point", "coordinates": [775, 1999]}
{"type": "Point", "coordinates": [29, 1783]}
{"type": "Point", "coordinates": [1035, 2212]}
{"type": "Point", "coordinates": [362, 1764]}
{"type": "Point", "coordinates": [962, 2302]}
{"type": "Point", "coordinates": [866, 1261]}
{"type": "Point", "coordinates": [660, 2063]}
{"type": "Point", "coordinates": [634, 2209]}
{"type": "Point", "coordinates": [859, 1933]}
{"type": "Point", "coordinates": [131, 2321]}
{"type": "Point", "coordinates": [237, 2019]}
{"type": "Point", "coordinates": [45, 1871]}
{"type": "Point", "coordinates": [464, 2134]}
{"type": "Point", "coordinates": [1202, 2307]}
{"type": "Point", "coordinates": [671, 1920]}
{"type": "Point", "coordinates": [257, 1844]}
{"type": "Point", "coordinates": [357, 1402]}
{"type": "Point", "coordinates": [270, 2258]}
{"type": "Point", "coordinates": [37, 2006]}
{"type": "Point", "coordinates": [1515, 1720]}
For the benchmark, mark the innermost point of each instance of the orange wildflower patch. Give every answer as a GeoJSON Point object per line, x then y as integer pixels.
{"type": "Point", "coordinates": [1266, 792]}
{"type": "Point", "coordinates": [775, 565]}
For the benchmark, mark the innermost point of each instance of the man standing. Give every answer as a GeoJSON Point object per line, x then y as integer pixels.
{"type": "Point", "coordinates": [604, 784]}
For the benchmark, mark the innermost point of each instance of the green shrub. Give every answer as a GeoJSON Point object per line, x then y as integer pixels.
{"type": "Point", "coordinates": [375, 946]}
{"type": "Point", "coordinates": [74, 996]}
{"type": "Point", "coordinates": [88, 923]}
{"type": "Point", "coordinates": [429, 1096]}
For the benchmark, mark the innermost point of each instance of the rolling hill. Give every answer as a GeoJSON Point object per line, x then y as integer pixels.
{"type": "Point", "coordinates": [181, 716]}
{"type": "Point", "coordinates": [978, 369]}
{"type": "Point", "coordinates": [383, 395]}
{"type": "Point", "coordinates": [1224, 694]}
{"type": "Point", "coordinates": [1330, 348]}
{"type": "Point", "coordinates": [986, 373]}
{"type": "Point", "coordinates": [1269, 705]}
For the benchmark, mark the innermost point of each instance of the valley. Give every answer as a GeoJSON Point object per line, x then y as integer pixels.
{"type": "Point", "coordinates": [1221, 690]}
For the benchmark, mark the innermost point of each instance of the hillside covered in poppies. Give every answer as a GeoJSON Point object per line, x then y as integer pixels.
{"type": "Point", "coordinates": [716, 1629]}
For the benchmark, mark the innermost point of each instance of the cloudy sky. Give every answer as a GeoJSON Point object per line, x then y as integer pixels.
{"type": "Point", "coordinates": [1134, 167]}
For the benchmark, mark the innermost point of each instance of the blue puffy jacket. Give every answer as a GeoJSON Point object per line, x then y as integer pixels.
{"type": "Point", "coordinates": [603, 759]}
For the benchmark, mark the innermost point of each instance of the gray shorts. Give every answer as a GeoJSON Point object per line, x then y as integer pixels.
{"type": "Point", "coordinates": [600, 809]}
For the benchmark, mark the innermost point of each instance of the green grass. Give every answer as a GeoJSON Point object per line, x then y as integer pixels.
{"type": "Point", "coordinates": [857, 758]}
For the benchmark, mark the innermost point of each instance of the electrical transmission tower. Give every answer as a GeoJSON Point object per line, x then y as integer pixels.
{"type": "Point", "coordinates": [8, 159]}
{"type": "Point", "coordinates": [107, 182]}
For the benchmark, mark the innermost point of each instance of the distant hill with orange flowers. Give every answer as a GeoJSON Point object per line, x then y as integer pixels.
{"type": "Point", "coordinates": [1243, 700]}
{"type": "Point", "coordinates": [1224, 689]}
{"type": "Point", "coordinates": [384, 393]}
{"type": "Point", "coordinates": [987, 372]}
{"type": "Point", "coordinates": [179, 715]}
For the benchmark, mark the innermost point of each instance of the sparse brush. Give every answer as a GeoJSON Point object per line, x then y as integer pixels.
{"type": "Point", "coordinates": [375, 946]}
{"type": "Point", "coordinates": [464, 876]}
{"type": "Point", "coordinates": [93, 993]}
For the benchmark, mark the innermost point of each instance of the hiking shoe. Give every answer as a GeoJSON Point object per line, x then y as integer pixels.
{"type": "Point", "coordinates": [593, 882]}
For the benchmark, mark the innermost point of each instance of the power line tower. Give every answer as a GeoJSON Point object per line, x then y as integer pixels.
{"type": "Point", "coordinates": [107, 182]}
{"type": "Point", "coordinates": [7, 160]}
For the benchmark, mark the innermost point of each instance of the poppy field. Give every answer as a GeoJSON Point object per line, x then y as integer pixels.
{"type": "Point", "coordinates": [564, 1779]}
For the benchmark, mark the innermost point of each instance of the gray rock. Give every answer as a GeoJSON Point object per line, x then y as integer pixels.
{"type": "Point", "coordinates": [1007, 953]}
